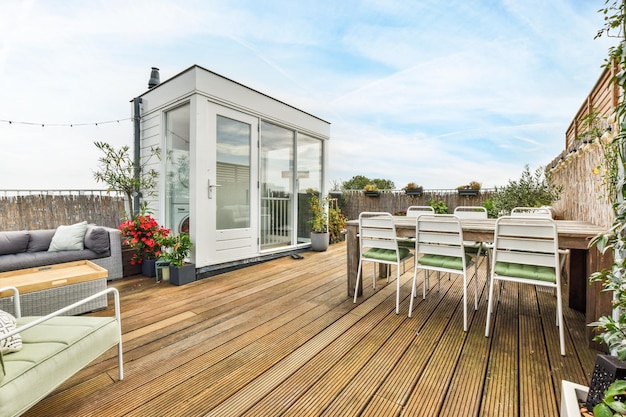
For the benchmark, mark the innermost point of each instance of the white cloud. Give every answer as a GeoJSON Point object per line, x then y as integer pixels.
{"type": "Point", "coordinates": [415, 91]}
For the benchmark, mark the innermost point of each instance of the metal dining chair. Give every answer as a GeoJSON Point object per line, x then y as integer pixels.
{"type": "Point", "coordinates": [439, 247]}
{"type": "Point", "coordinates": [475, 248]}
{"type": "Point", "coordinates": [544, 212]}
{"type": "Point", "coordinates": [526, 251]}
{"type": "Point", "coordinates": [379, 244]}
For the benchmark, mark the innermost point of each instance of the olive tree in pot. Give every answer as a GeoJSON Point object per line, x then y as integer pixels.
{"type": "Point", "coordinates": [320, 237]}
{"type": "Point", "coordinates": [176, 250]}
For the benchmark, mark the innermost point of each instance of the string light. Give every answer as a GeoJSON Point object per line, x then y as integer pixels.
{"type": "Point", "coordinates": [13, 122]}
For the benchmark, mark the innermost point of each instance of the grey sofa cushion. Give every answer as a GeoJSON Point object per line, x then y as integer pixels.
{"type": "Point", "coordinates": [40, 240]}
{"type": "Point", "coordinates": [36, 259]}
{"type": "Point", "coordinates": [97, 239]}
{"type": "Point", "coordinates": [13, 242]}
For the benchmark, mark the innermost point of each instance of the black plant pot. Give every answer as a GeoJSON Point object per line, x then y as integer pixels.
{"type": "Point", "coordinates": [372, 193]}
{"type": "Point", "coordinates": [183, 275]}
{"type": "Point", "coordinates": [468, 192]}
{"type": "Point", "coordinates": [606, 370]}
{"type": "Point", "coordinates": [416, 191]}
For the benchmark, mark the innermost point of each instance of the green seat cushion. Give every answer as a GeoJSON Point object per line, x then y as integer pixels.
{"type": "Point", "coordinates": [540, 273]}
{"type": "Point", "coordinates": [442, 261]}
{"type": "Point", "coordinates": [407, 243]}
{"type": "Point", "coordinates": [385, 254]}
{"type": "Point", "coordinates": [51, 353]}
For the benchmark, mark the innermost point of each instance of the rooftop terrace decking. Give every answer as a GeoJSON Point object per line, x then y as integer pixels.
{"type": "Point", "coordinates": [282, 338]}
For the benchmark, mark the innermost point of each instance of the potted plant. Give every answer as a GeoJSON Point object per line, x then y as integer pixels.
{"type": "Point", "coordinates": [176, 250]}
{"type": "Point", "coordinates": [320, 236]}
{"type": "Point", "coordinates": [336, 224]}
{"type": "Point", "coordinates": [471, 189]}
{"type": "Point", "coordinates": [371, 190]}
{"type": "Point", "coordinates": [413, 189]}
{"type": "Point", "coordinates": [143, 235]}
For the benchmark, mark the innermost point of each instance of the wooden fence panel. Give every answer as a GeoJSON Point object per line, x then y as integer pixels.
{"type": "Point", "coordinates": [353, 203]}
{"type": "Point", "coordinates": [30, 212]}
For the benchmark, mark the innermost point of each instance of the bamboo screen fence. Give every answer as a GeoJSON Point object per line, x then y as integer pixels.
{"type": "Point", "coordinates": [42, 211]}
{"type": "Point", "coordinates": [584, 196]}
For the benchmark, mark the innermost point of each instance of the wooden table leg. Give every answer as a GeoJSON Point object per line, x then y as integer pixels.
{"type": "Point", "coordinates": [352, 259]}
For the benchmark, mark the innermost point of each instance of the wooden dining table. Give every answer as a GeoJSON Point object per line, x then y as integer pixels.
{"type": "Point", "coordinates": [573, 235]}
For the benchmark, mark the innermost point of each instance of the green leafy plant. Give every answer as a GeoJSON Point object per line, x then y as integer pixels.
{"type": "Point", "coordinates": [412, 186]}
{"type": "Point", "coordinates": [439, 206]}
{"type": "Point", "coordinates": [370, 188]}
{"type": "Point", "coordinates": [612, 331]}
{"type": "Point", "coordinates": [530, 190]}
{"type": "Point", "coordinates": [176, 249]}
{"type": "Point", "coordinates": [118, 169]}
{"type": "Point", "coordinates": [336, 224]}
{"type": "Point", "coordinates": [319, 217]}
{"type": "Point", "coordinates": [358, 182]}
{"type": "Point", "coordinates": [473, 185]}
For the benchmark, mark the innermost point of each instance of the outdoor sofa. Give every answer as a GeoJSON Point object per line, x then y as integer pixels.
{"type": "Point", "coordinates": [43, 352]}
{"type": "Point", "coordinates": [39, 248]}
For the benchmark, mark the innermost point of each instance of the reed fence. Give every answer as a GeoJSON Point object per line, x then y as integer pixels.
{"type": "Point", "coordinates": [48, 210]}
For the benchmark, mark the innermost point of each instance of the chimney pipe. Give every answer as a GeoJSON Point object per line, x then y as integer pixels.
{"type": "Point", "coordinates": [154, 78]}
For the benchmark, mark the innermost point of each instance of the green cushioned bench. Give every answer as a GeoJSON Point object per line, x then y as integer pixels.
{"type": "Point", "coordinates": [54, 348]}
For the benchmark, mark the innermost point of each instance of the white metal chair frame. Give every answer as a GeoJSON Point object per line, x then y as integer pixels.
{"type": "Point", "coordinates": [379, 244]}
{"type": "Point", "coordinates": [439, 247]}
{"type": "Point", "coordinates": [414, 211]}
{"type": "Point", "coordinates": [475, 212]}
{"type": "Point", "coordinates": [520, 243]}
{"type": "Point", "coordinates": [544, 212]}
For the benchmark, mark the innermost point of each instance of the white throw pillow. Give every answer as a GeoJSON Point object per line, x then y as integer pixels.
{"type": "Point", "coordinates": [69, 237]}
{"type": "Point", "coordinates": [7, 324]}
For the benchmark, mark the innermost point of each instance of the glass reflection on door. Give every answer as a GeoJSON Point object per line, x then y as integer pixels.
{"type": "Point", "coordinates": [233, 174]}
{"type": "Point", "coordinates": [309, 163]}
{"type": "Point", "coordinates": [276, 185]}
{"type": "Point", "coordinates": [177, 168]}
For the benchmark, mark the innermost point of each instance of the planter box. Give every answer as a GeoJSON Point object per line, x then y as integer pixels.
{"type": "Point", "coordinates": [183, 275]}
{"type": "Point", "coordinates": [128, 269]}
{"type": "Point", "coordinates": [571, 395]}
{"type": "Point", "coordinates": [468, 192]}
{"type": "Point", "coordinates": [417, 192]}
{"type": "Point", "coordinates": [148, 268]}
{"type": "Point", "coordinates": [372, 193]}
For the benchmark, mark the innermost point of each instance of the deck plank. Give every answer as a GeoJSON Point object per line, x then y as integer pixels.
{"type": "Point", "coordinates": [283, 338]}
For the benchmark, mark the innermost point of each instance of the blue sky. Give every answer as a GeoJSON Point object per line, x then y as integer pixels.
{"type": "Point", "coordinates": [433, 92]}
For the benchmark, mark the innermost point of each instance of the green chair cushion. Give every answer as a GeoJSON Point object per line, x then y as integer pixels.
{"type": "Point", "coordinates": [385, 254]}
{"type": "Point", "coordinates": [442, 261]}
{"type": "Point", "coordinates": [540, 273]}
{"type": "Point", "coordinates": [407, 243]}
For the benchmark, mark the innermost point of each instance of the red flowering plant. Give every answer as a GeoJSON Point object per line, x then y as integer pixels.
{"type": "Point", "coordinates": [145, 236]}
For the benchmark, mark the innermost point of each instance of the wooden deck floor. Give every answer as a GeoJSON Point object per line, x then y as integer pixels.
{"type": "Point", "coordinates": [282, 338]}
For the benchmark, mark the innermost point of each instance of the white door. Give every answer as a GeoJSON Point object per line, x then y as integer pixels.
{"type": "Point", "coordinates": [232, 193]}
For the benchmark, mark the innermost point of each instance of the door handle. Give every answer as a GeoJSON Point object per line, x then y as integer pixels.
{"type": "Point", "coordinates": [211, 188]}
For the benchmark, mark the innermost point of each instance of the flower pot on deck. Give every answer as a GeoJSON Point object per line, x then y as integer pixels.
{"type": "Point", "coordinates": [320, 241]}
{"type": "Point", "coordinates": [148, 268]}
{"type": "Point", "coordinates": [183, 274]}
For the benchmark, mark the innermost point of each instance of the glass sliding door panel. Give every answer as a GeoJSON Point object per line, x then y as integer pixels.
{"type": "Point", "coordinates": [233, 174]}
{"type": "Point", "coordinates": [309, 165]}
{"type": "Point", "coordinates": [177, 169]}
{"type": "Point", "coordinates": [276, 185]}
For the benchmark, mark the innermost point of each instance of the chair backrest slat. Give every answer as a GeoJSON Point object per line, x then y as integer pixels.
{"type": "Point", "coordinates": [415, 211]}
{"type": "Point", "coordinates": [377, 230]}
{"type": "Point", "coordinates": [526, 241]}
{"type": "Point", "coordinates": [439, 234]}
{"type": "Point", "coordinates": [470, 212]}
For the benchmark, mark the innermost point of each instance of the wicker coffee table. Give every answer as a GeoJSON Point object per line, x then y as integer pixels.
{"type": "Point", "coordinates": [48, 288]}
